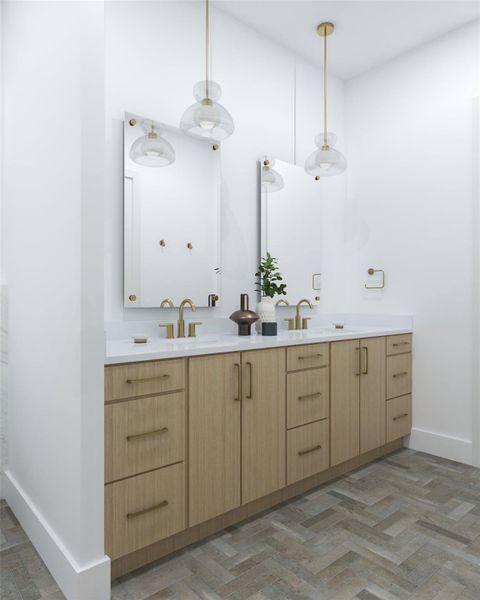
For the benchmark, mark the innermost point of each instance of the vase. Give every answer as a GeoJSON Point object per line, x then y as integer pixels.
{"type": "Point", "coordinates": [265, 310]}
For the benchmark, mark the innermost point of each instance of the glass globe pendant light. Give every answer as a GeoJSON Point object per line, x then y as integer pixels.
{"type": "Point", "coordinates": [326, 161]}
{"type": "Point", "coordinates": [272, 181]}
{"type": "Point", "coordinates": [151, 150]}
{"type": "Point", "coordinates": [207, 118]}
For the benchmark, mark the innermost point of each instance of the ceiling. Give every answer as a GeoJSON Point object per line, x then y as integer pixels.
{"type": "Point", "coordinates": [367, 32]}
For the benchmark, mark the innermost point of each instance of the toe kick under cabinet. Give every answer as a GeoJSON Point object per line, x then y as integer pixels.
{"type": "Point", "coordinates": [193, 445]}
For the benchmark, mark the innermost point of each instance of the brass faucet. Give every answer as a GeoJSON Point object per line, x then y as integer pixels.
{"type": "Point", "coordinates": [298, 322]}
{"type": "Point", "coordinates": [181, 320]}
{"type": "Point", "coordinates": [167, 302]}
{"type": "Point", "coordinates": [282, 301]}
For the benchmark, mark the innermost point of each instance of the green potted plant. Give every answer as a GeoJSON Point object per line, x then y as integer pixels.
{"type": "Point", "coordinates": [270, 284]}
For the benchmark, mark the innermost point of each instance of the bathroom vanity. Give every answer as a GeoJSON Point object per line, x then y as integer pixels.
{"type": "Point", "coordinates": [210, 435]}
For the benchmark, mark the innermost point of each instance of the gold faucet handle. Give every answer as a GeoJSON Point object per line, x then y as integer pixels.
{"type": "Point", "coordinates": [192, 328]}
{"type": "Point", "coordinates": [291, 324]}
{"type": "Point", "coordinates": [305, 321]}
{"type": "Point", "coordinates": [169, 328]}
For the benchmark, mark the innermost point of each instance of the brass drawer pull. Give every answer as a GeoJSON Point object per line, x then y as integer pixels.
{"type": "Point", "coordinates": [308, 396]}
{"type": "Point", "coordinates": [400, 417]}
{"type": "Point", "coordinates": [401, 344]}
{"type": "Point", "coordinates": [302, 452]}
{"type": "Point", "coordinates": [311, 356]}
{"type": "Point", "coordinates": [402, 374]}
{"type": "Point", "coordinates": [147, 379]}
{"type": "Point", "coordinates": [147, 510]}
{"type": "Point", "coordinates": [137, 436]}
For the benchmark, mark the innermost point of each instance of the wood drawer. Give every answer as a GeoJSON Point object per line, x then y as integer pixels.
{"type": "Point", "coordinates": [399, 375]}
{"type": "Point", "coordinates": [307, 356]}
{"type": "Point", "coordinates": [143, 379]}
{"type": "Point", "coordinates": [307, 450]}
{"type": "Point", "coordinates": [144, 434]}
{"type": "Point", "coordinates": [307, 396]}
{"type": "Point", "coordinates": [399, 417]}
{"type": "Point", "coordinates": [398, 344]}
{"type": "Point", "coordinates": [144, 509]}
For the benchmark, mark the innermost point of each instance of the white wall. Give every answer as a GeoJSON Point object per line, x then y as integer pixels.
{"type": "Point", "coordinates": [154, 56]}
{"type": "Point", "coordinates": [53, 192]}
{"type": "Point", "coordinates": [409, 211]}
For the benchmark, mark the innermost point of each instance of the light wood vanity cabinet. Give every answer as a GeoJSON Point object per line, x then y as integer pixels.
{"type": "Point", "coordinates": [263, 422]}
{"type": "Point", "coordinates": [214, 439]}
{"type": "Point", "coordinates": [195, 444]}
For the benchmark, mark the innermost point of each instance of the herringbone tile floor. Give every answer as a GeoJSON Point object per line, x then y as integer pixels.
{"type": "Point", "coordinates": [407, 526]}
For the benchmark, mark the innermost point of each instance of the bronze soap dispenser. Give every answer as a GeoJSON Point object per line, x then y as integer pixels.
{"type": "Point", "coordinates": [244, 317]}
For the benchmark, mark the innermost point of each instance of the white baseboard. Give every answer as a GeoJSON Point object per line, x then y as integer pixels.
{"type": "Point", "coordinates": [441, 445]}
{"type": "Point", "coordinates": [87, 582]}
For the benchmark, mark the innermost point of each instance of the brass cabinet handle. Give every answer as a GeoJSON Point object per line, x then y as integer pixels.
{"type": "Point", "coordinates": [137, 436]}
{"type": "Point", "coordinates": [400, 417]}
{"type": "Point", "coordinates": [250, 392]}
{"type": "Point", "coordinates": [359, 361]}
{"type": "Point", "coordinates": [366, 360]}
{"type": "Point", "coordinates": [302, 452]}
{"type": "Point", "coordinates": [147, 510]}
{"type": "Point", "coordinates": [401, 344]}
{"type": "Point", "coordinates": [237, 369]}
{"type": "Point", "coordinates": [402, 374]}
{"type": "Point", "coordinates": [147, 379]}
{"type": "Point", "coordinates": [308, 396]}
{"type": "Point", "coordinates": [310, 356]}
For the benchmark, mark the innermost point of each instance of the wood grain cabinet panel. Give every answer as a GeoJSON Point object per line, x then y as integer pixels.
{"type": "Point", "coordinates": [399, 375]}
{"type": "Point", "coordinates": [144, 434]}
{"type": "Point", "coordinates": [372, 393]}
{"type": "Point", "coordinates": [345, 401]}
{"type": "Point", "coordinates": [143, 509]}
{"type": "Point", "coordinates": [308, 396]}
{"type": "Point", "coordinates": [399, 344]}
{"type": "Point", "coordinates": [144, 379]}
{"type": "Point", "coordinates": [307, 356]}
{"type": "Point", "coordinates": [263, 422]}
{"type": "Point", "coordinates": [307, 450]}
{"type": "Point", "coordinates": [399, 417]}
{"type": "Point", "coordinates": [214, 435]}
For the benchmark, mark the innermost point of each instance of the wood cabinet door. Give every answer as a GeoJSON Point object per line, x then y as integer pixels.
{"type": "Point", "coordinates": [372, 394]}
{"type": "Point", "coordinates": [345, 400]}
{"type": "Point", "coordinates": [263, 422]}
{"type": "Point", "coordinates": [214, 435]}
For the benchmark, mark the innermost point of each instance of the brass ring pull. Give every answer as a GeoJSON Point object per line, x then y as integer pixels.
{"type": "Point", "coordinates": [237, 369]}
{"type": "Point", "coordinates": [314, 449]}
{"type": "Point", "coordinates": [138, 436]}
{"type": "Point", "coordinates": [400, 417]}
{"type": "Point", "coordinates": [402, 374]}
{"type": "Point", "coordinates": [308, 396]}
{"type": "Point", "coordinates": [147, 510]}
{"type": "Point", "coordinates": [147, 379]}
{"type": "Point", "coordinates": [250, 392]}
{"type": "Point", "coordinates": [311, 355]}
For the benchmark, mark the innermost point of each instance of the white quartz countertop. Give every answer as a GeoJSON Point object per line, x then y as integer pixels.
{"type": "Point", "coordinates": [126, 351]}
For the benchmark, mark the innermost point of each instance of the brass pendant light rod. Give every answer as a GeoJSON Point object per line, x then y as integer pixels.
{"type": "Point", "coordinates": [207, 42]}
{"type": "Point", "coordinates": [324, 30]}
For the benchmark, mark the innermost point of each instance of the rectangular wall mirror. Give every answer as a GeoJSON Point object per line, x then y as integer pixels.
{"type": "Point", "coordinates": [290, 226]}
{"type": "Point", "coordinates": [171, 215]}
